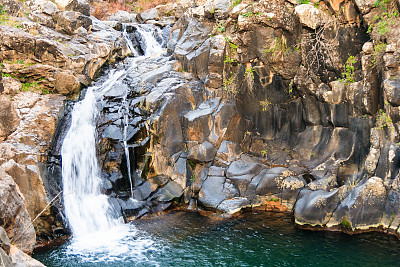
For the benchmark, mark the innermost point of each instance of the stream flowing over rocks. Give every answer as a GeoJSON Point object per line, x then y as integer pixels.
{"type": "Point", "coordinates": [269, 105]}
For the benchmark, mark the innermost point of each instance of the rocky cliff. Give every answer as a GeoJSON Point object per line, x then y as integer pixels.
{"type": "Point", "coordinates": [49, 50]}
{"type": "Point", "coordinates": [275, 104]}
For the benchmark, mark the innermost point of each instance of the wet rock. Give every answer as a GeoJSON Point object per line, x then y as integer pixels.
{"type": "Point", "coordinates": [169, 192]}
{"type": "Point", "coordinates": [204, 152]}
{"type": "Point", "coordinates": [21, 259]}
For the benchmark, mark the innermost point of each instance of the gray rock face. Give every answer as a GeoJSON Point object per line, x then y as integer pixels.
{"type": "Point", "coordinates": [392, 91]}
{"type": "Point", "coordinates": [204, 152]}
{"type": "Point", "coordinates": [4, 241]}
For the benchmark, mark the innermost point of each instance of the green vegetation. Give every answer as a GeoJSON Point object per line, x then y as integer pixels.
{"type": "Point", "coordinates": [301, 2]}
{"type": "Point", "coordinates": [220, 28]}
{"type": "Point", "coordinates": [235, 3]}
{"type": "Point", "coordinates": [382, 22]}
{"type": "Point", "coordinates": [348, 73]}
{"type": "Point", "coordinates": [379, 52]}
{"type": "Point", "coordinates": [274, 200]}
{"type": "Point", "coordinates": [383, 120]}
{"type": "Point", "coordinates": [345, 223]}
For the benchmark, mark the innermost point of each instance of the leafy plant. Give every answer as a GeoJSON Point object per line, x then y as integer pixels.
{"type": "Point", "coordinates": [348, 73]}
{"type": "Point", "coordinates": [383, 120]}
{"type": "Point", "coordinates": [248, 14]}
{"type": "Point", "coordinates": [345, 223]}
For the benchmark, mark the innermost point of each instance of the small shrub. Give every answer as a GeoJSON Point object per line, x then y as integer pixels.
{"type": "Point", "coordinates": [348, 73]}
{"type": "Point", "coordinates": [345, 223]}
{"type": "Point", "coordinates": [249, 72]}
{"type": "Point", "coordinates": [235, 3]}
{"type": "Point", "coordinates": [301, 2]}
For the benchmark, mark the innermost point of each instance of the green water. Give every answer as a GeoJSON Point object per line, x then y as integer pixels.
{"type": "Point", "coordinates": [253, 239]}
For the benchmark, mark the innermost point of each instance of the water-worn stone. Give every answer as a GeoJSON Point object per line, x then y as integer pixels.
{"type": "Point", "coordinates": [363, 207]}
{"type": "Point", "coordinates": [215, 190]}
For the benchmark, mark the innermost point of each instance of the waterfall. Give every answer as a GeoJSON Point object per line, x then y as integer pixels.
{"type": "Point", "coordinates": [88, 211]}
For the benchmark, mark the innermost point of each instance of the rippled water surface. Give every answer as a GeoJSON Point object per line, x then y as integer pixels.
{"type": "Point", "coordinates": [254, 239]}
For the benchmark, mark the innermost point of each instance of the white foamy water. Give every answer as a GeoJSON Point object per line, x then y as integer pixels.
{"type": "Point", "coordinates": [97, 228]}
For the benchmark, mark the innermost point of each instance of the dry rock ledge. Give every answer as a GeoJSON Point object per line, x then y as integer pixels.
{"type": "Point", "coordinates": [262, 104]}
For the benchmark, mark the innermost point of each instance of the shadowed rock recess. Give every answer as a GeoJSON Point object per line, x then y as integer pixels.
{"type": "Point", "coordinates": [271, 105]}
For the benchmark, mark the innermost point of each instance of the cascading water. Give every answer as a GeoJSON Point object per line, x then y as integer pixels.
{"type": "Point", "coordinates": [93, 221]}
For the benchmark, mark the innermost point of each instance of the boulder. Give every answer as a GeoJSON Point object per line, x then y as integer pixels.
{"type": "Point", "coordinates": [123, 16]}
{"type": "Point", "coordinates": [204, 152]}
{"type": "Point", "coordinates": [11, 86]}
{"type": "Point", "coordinates": [20, 259]}
{"type": "Point", "coordinates": [215, 190]}
{"type": "Point", "coordinates": [81, 6]}
{"type": "Point", "coordinates": [149, 14]}
{"type": "Point", "coordinates": [234, 205]}
{"type": "Point", "coordinates": [363, 207]}
{"type": "Point", "coordinates": [392, 91]}
{"type": "Point", "coordinates": [70, 21]}
{"type": "Point", "coordinates": [315, 207]}
{"type": "Point", "coordinates": [15, 219]}
{"type": "Point", "coordinates": [310, 16]}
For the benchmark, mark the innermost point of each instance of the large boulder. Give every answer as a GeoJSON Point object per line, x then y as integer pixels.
{"type": "Point", "coordinates": [81, 6]}
{"type": "Point", "coordinates": [15, 217]}
{"type": "Point", "coordinates": [71, 21]}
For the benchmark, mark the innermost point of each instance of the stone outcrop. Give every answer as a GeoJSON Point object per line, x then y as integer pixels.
{"type": "Point", "coordinates": [273, 105]}
{"type": "Point", "coordinates": [58, 47]}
